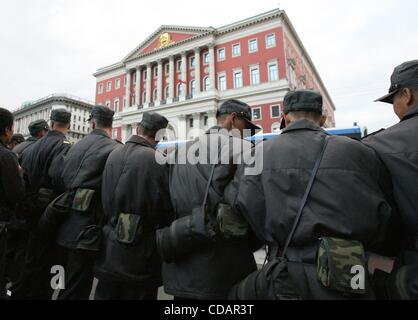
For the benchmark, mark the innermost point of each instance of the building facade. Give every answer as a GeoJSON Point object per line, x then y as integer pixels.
{"type": "Point", "coordinates": [41, 109]}
{"type": "Point", "coordinates": [185, 73]}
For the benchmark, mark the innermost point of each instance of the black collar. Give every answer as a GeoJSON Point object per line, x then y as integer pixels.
{"type": "Point", "coordinates": [141, 141]}
{"type": "Point", "coordinates": [302, 125]}
{"type": "Point", "coordinates": [52, 133]}
{"type": "Point", "coordinates": [413, 112]}
{"type": "Point", "coordinates": [99, 132]}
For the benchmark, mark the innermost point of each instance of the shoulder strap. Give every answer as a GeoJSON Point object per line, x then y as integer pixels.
{"type": "Point", "coordinates": [305, 197]}
{"type": "Point", "coordinates": [212, 172]}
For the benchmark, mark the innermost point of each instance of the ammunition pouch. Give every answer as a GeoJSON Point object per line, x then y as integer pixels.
{"type": "Point", "coordinates": [184, 236]}
{"type": "Point", "coordinates": [338, 262]}
{"type": "Point", "coordinates": [231, 225]}
{"type": "Point", "coordinates": [82, 199]}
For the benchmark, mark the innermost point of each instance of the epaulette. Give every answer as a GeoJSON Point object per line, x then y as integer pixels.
{"type": "Point", "coordinates": [373, 133]}
{"type": "Point", "coordinates": [66, 142]}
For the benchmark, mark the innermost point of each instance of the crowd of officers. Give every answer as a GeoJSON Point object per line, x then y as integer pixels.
{"type": "Point", "coordinates": [110, 211]}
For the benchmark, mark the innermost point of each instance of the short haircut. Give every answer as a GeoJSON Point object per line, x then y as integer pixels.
{"type": "Point", "coordinates": [305, 115]}
{"type": "Point", "coordinates": [6, 120]}
{"type": "Point", "coordinates": [104, 123]}
{"type": "Point", "coordinates": [59, 124]}
{"type": "Point", "coordinates": [146, 132]}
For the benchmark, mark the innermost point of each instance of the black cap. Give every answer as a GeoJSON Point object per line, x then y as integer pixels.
{"type": "Point", "coordinates": [37, 126]}
{"type": "Point", "coordinates": [101, 113]}
{"type": "Point", "coordinates": [303, 100]}
{"type": "Point", "coordinates": [61, 115]}
{"type": "Point", "coordinates": [18, 138]}
{"type": "Point", "coordinates": [242, 110]}
{"type": "Point", "coordinates": [403, 76]}
{"type": "Point", "coordinates": [153, 121]}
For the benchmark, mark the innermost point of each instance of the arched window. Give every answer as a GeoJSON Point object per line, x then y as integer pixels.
{"type": "Point", "coordinates": [192, 87]}
{"type": "Point", "coordinates": [206, 82]}
{"type": "Point", "coordinates": [179, 89]}
{"type": "Point", "coordinates": [166, 92]}
{"type": "Point", "coordinates": [144, 97]}
{"type": "Point", "coordinates": [155, 94]}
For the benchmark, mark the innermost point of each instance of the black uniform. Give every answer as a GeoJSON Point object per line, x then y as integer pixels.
{"type": "Point", "coordinates": [11, 192]}
{"type": "Point", "coordinates": [43, 165]}
{"type": "Point", "coordinates": [211, 269]}
{"type": "Point", "coordinates": [83, 169]}
{"type": "Point", "coordinates": [346, 200]}
{"type": "Point", "coordinates": [136, 202]}
{"type": "Point", "coordinates": [398, 149]}
{"type": "Point", "coordinates": [22, 147]}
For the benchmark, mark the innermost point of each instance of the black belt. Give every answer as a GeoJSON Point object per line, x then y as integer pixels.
{"type": "Point", "coordinates": [306, 254]}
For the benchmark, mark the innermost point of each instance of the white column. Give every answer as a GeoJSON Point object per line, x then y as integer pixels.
{"type": "Point", "coordinates": [171, 79]}
{"type": "Point", "coordinates": [124, 134]}
{"type": "Point", "coordinates": [138, 85]}
{"type": "Point", "coordinates": [197, 76]}
{"type": "Point", "coordinates": [128, 88]}
{"type": "Point", "coordinates": [211, 67]}
{"type": "Point", "coordinates": [148, 91]}
{"type": "Point", "coordinates": [196, 121]}
{"type": "Point", "coordinates": [134, 126]}
{"type": "Point", "coordinates": [184, 73]}
{"type": "Point", "coordinates": [212, 119]}
{"type": "Point", "coordinates": [160, 81]}
{"type": "Point", "coordinates": [182, 128]}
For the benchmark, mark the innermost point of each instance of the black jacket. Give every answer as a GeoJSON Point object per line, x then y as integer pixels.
{"type": "Point", "coordinates": [398, 149]}
{"type": "Point", "coordinates": [11, 184]}
{"type": "Point", "coordinates": [43, 162]}
{"type": "Point", "coordinates": [346, 201]}
{"type": "Point", "coordinates": [83, 168]}
{"type": "Point", "coordinates": [21, 148]}
{"type": "Point", "coordinates": [209, 272]}
{"type": "Point", "coordinates": [133, 183]}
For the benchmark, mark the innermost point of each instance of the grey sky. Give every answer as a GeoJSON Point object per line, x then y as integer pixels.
{"type": "Point", "coordinates": [55, 46]}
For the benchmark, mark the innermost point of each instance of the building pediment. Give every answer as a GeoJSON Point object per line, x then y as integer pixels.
{"type": "Point", "coordinates": [165, 37]}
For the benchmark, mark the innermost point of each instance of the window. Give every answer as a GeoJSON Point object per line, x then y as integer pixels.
{"type": "Point", "coordinates": [117, 83]}
{"type": "Point", "coordinates": [79, 128]}
{"type": "Point", "coordinates": [206, 58]}
{"type": "Point", "coordinates": [221, 54]}
{"type": "Point", "coordinates": [179, 90]}
{"type": "Point", "coordinates": [192, 87]}
{"type": "Point", "coordinates": [155, 72]}
{"type": "Point", "coordinates": [108, 86]}
{"type": "Point", "coordinates": [145, 75]}
{"type": "Point", "coordinates": [256, 113]}
{"type": "Point", "coordinates": [255, 75]}
{"type": "Point", "coordinates": [237, 79]}
{"type": "Point", "coordinates": [100, 89]}
{"type": "Point", "coordinates": [253, 45]}
{"type": "Point", "coordinates": [206, 83]}
{"type": "Point", "coordinates": [222, 82]}
{"type": "Point", "coordinates": [124, 81]}
{"type": "Point", "coordinates": [270, 41]}
{"type": "Point", "coordinates": [167, 68]}
{"type": "Point", "coordinates": [191, 123]}
{"type": "Point", "coordinates": [155, 94]}
{"type": "Point", "coordinates": [192, 62]}
{"type": "Point", "coordinates": [124, 103]}
{"type": "Point", "coordinates": [236, 50]}
{"type": "Point", "coordinates": [144, 97]}
{"type": "Point", "coordinates": [134, 76]}
{"type": "Point", "coordinates": [167, 92]}
{"type": "Point", "coordinates": [275, 111]}
{"type": "Point", "coordinates": [116, 104]}
{"type": "Point", "coordinates": [133, 100]}
{"type": "Point", "coordinates": [206, 121]}
{"type": "Point", "coordinates": [74, 127]}
{"type": "Point", "coordinates": [179, 65]}
{"type": "Point", "coordinates": [273, 72]}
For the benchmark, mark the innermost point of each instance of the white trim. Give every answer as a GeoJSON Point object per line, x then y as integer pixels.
{"type": "Point", "coordinates": [271, 63]}
{"type": "Point", "coordinates": [116, 83]}
{"type": "Point", "coordinates": [261, 113]}
{"type": "Point", "coordinates": [191, 87]}
{"type": "Point", "coordinates": [144, 75]}
{"type": "Point", "coordinates": [108, 83]}
{"type": "Point", "coordinates": [275, 125]}
{"type": "Point", "coordinates": [155, 72]}
{"type": "Point", "coordinates": [232, 48]}
{"type": "Point", "coordinates": [217, 54]}
{"type": "Point", "coordinates": [271, 111]}
{"type": "Point", "coordinates": [222, 74]}
{"type": "Point", "coordinates": [178, 63]}
{"type": "Point", "coordinates": [235, 71]}
{"type": "Point", "coordinates": [206, 54]}
{"type": "Point", "coordinates": [167, 69]}
{"type": "Point", "coordinates": [100, 88]}
{"type": "Point", "coordinates": [275, 40]}
{"type": "Point", "coordinates": [190, 62]}
{"type": "Point", "coordinates": [204, 83]}
{"type": "Point", "coordinates": [251, 68]}
{"type": "Point", "coordinates": [114, 105]}
{"type": "Point", "coordinates": [166, 92]}
{"type": "Point", "coordinates": [249, 45]}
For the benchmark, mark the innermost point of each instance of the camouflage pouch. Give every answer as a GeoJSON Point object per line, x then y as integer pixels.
{"type": "Point", "coordinates": [82, 199]}
{"type": "Point", "coordinates": [338, 263]}
{"type": "Point", "coordinates": [128, 227]}
{"type": "Point", "coordinates": [231, 225]}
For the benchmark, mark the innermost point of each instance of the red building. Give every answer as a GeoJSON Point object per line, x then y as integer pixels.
{"type": "Point", "coordinates": [185, 73]}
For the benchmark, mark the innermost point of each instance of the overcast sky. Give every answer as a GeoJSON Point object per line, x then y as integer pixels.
{"type": "Point", "coordinates": [54, 46]}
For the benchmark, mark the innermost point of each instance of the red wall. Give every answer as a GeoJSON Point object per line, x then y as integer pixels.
{"type": "Point", "coordinates": [114, 93]}
{"type": "Point", "coordinates": [266, 121]}
{"type": "Point", "coordinates": [176, 37]}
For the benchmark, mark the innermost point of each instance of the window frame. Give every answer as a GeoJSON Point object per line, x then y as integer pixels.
{"type": "Point", "coordinates": [179, 66]}
{"type": "Point", "coordinates": [206, 84]}
{"type": "Point", "coordinates": [275, 40]}
{"type": "Point", "coordinates": [117, 83]}
{"type": "Point", "coordinates": [269, 64]}
{"type": "Point", "coordinates": [114, 105]}
{"type": "Point", "coordinates": [235, 72]}
{"type": "Point", "coordinates": [192, 86]}
{"type": "Point", "coordinates": [100, 88]}
{"type": "Point", "coordinates": [249, 45]}
{"type": "Point", "coordinates": [222, 75]}
{"type": "Point", "coordinates": [108, 86]}
{"type": "Point", "coordinates": [232, 48]}
{"type": "Point", "coordinates": [255, 67]}
{"type": "Point", "coordinates": [218, 56]}
{"type": "Point", "coordinates": [252, 113]}
{"type": "Point", "coordinates": [206, 58]}
{"type": "Point", "coordinates": [271, 111]}
{"type": "Point", "coordinates": [192, 65]}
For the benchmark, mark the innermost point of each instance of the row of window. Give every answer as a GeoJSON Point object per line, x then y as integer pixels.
{"type": "Point", "coordinates": [275, 112]}
{"type": "Point", "coordinates": [252, 47]}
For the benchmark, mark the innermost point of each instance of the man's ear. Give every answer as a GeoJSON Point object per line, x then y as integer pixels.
{"type": "Point", "coordinates": [322, 121]}
{"type": "Point", "coordinates": [409, 96]}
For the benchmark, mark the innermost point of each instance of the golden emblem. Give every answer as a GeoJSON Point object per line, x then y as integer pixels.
{"type": "Point", "coordinates": [165, 40]}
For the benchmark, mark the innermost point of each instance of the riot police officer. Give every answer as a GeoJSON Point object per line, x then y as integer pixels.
{"type": "Point", "coordinates": [136, 202]}
{"type": "Point", "coordinates": [11, 188]}
{"type": "Point", "coordinates": [80, 232]}
{"type": "Point", "coordinates": [43, 165]}
{"type": "Point", "coordinates": [37, 130]}
{"type": "Point", "coordinates": [398, 149]}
